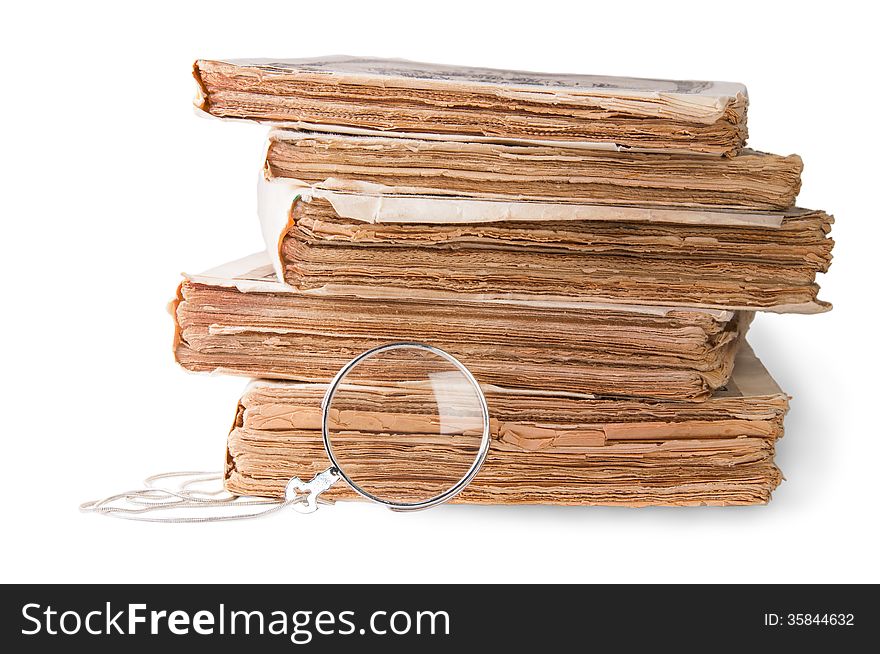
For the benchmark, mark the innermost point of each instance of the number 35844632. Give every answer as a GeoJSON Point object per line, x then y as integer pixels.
{"type": "Point", "coordinates": [809, 619]}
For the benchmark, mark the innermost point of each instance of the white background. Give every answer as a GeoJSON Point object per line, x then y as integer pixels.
{"type": "Point", "coordinates": [111, 186]}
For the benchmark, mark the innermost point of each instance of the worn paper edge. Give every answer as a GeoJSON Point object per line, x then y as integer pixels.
{"type": "Point", "coordinates": [248, 275]}
{"type": "Point", "coordinates": [301, 126]}
{"type": "Point", "coordinates": [556, 301]}
{"type": "Point", "coordinates": [277, 195]}
{"type": "Point", "coordinates": [376, 203]}
{"type": "Point", "coordinates": [714, 98]}
{"type": "Point", "coordinates": [750, 377]}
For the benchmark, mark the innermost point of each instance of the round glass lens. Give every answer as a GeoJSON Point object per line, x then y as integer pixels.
{"type": "Point", "coordinates": [406, 425]}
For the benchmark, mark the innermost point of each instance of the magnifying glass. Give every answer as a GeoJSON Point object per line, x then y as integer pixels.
{"type": "Point", "coordinates": [405, 425]}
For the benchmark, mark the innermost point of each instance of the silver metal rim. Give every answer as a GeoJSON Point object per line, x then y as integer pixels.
{"type": "Point", "coordinates": [461, 483]}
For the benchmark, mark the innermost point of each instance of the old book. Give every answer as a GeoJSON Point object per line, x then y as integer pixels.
{"type": "Point", "coordinates": [336, 240]}
{"type": "Point", "coordinates": [546, 173]}
{"type": "Point", "coordinates": [403, 97]}
{"type": "Point", "coordinates": [239, 319]}
{"type": "Point", "coordinates": [545, 448]}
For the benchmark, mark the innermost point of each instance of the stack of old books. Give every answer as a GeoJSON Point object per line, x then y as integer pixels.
{"type": "Point", "coordinates": [592, 248]}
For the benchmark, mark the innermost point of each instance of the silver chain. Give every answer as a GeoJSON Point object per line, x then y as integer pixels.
{"type": "Point", "coordinates": [153, 498]}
